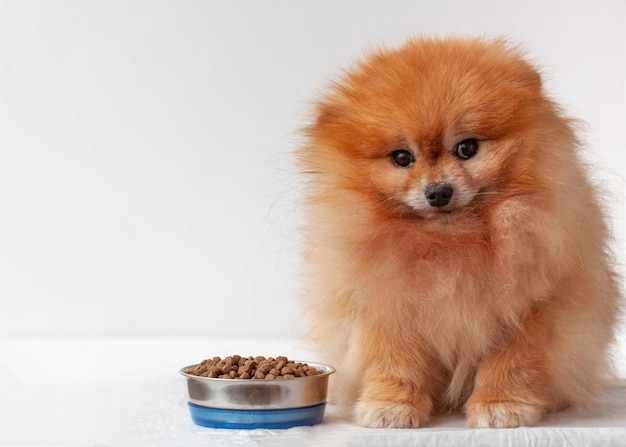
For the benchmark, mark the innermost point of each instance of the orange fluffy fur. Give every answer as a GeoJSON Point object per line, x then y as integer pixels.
{"type": "Point", "coordinates": [502, 302]}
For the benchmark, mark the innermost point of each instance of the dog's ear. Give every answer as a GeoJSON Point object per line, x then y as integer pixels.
{"type": "Point", "coordinates": [333, 111]}
{"type": "Point", "coordinates": [517, 60]}
{"type": "Point", "coordinates": [333, 119]}
{"type": "Point", "coordinates": [328, 115]}
{"type": "Point", "coordinates": [529, 76]}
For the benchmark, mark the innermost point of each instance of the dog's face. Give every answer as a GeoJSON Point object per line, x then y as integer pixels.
{"type": "Point", "coordinates": [433, 129]}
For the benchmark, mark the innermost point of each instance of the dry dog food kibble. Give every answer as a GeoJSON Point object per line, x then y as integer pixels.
{"type": "Point", "coordinates": [238, 367]}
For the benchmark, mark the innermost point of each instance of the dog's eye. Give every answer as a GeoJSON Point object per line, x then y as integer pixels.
{"type": "Point", "coordinates": [402, 158]}
{"type": "Point", "coordinates": [467, 148]}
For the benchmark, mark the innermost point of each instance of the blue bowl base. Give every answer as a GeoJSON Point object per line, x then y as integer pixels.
{"type": "Point", "coordinates": [251, 419]}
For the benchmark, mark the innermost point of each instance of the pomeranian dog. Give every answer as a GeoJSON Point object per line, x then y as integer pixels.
{"type": "Point", "coordinates": [456, 250]}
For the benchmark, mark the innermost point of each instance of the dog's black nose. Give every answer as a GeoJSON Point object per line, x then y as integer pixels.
{"type": "Point", "coordinates": [438, 194]}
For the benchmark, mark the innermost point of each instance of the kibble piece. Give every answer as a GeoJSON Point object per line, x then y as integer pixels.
{"type": "Point", "coordinates": [249, 366]}
{"type": "Point", "coordinates": [264, 367]}
{"type": "Point", "coordinates": [228, 364]}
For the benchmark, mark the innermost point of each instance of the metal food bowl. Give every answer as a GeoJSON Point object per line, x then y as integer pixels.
{"type": "Point", "coordinates": [258, 403]}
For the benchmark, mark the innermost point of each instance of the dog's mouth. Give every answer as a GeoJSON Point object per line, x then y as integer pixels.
{"type": "Point", "coordinates": [452, 211]}
{"type": "Point", "coordinates": [439, 213]}
{"type": "Point", "coordinates": [432, 213]}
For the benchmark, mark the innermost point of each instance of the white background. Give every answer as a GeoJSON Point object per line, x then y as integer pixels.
{"type": "Point", "coordinates": [146, 177]}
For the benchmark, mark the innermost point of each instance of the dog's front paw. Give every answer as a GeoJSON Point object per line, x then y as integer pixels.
{"type": "Point", "coordinates": [502, 414]}
{"type": "Point", "coordinates": [389, 414]}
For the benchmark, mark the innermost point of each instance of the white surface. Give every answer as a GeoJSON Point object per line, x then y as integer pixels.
{"type": "Point", "coordinates": [146, 184]}
{"type": "Point", "coordinates": [127, 392]}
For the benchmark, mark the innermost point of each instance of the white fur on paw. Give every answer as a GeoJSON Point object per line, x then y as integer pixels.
{"type": "Point", "coordinates": [503, 415]}
{"type": "Point", "coordinates": [380, 414]}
